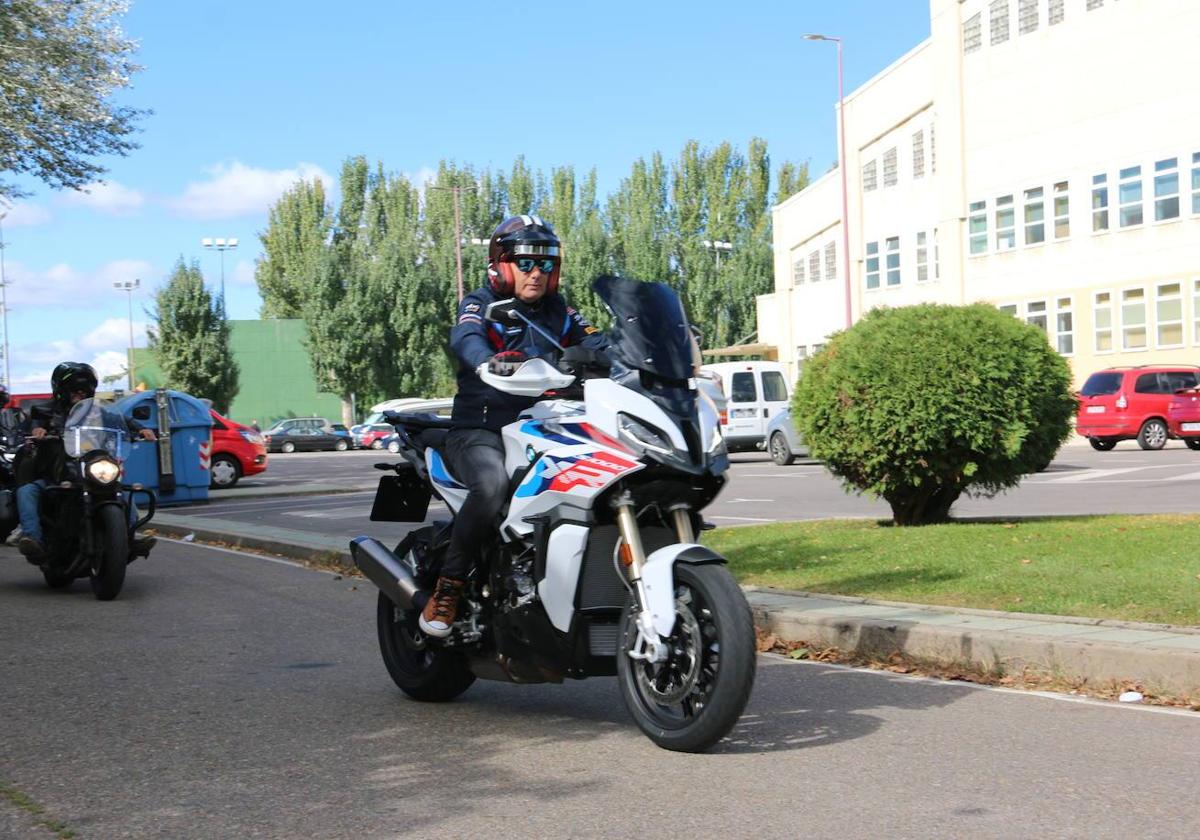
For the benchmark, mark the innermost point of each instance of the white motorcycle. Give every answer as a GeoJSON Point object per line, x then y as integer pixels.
{"type": "Point", "coordinates": [595, 569]}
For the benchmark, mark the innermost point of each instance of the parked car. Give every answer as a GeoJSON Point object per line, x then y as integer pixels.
{"type": "Point", "coordinates": [784, 442]}
{"type": "Point", "coordinates": [440, 407]}
{"type": "Point", "coordinates": [237, 450]}
{"type": "Point", "coordinates": [339, 429]}
{"type": "Point", "coordinates": [757, 391]}
{"type": "Point", "coordinates": [437, 405]}
{"type": "Point", "coordinates": [709, 383]}
{"type": "Point", "coordinates": [304, 439]}
{"type": "Point", "coordinates": [1130, 403]}
{"type": "Point", "coordinates": [1183, 417]}
{"type": "Point", "coordinates": [371, 437]}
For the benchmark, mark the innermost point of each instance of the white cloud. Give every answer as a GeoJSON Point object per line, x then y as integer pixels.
{"type": "Point", "coordinates": [21, 214]}
{"type": "Point", "coordinates": [62, 285]}
{"type": "Point", "coordinates": [107, 197]}
{"type": "Point", "coordinates": [243, 273]}
{"type": "Point", "coordinates": [104, 347]}
{"type": "Point", "coordinates": [114, 332]}
{"type": "Point", "coordinates": [239, 190]}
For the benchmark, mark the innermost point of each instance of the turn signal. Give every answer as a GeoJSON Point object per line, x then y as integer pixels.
{"type": "Point", "coordinates": [626, 554]}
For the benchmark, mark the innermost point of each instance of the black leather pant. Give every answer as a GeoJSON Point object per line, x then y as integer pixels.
{"type": "Point", "coordinates": [476, 459]}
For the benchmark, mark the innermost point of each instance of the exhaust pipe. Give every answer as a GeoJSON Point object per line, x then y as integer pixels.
{"type": "Point", "coordinates": [384, 569]}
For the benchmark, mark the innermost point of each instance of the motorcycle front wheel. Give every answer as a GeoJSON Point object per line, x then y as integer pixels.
{"type": "Point", "coordinates": [113, 538]}
{"type": "Point", "coordinates": [421, 670]}
{"type": "Point", "coordinates": [690, 701]}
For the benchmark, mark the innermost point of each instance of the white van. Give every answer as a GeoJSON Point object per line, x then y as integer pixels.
{"type": "Point", "coordinates": [757, 391]}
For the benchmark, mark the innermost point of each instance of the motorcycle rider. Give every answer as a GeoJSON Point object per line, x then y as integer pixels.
{"type": "Point", "coordinates": [524, 260]}
{"type": "Point", "coordinates": [70, 383]}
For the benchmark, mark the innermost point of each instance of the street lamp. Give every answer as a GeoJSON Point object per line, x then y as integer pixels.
{"type": "Point", "coordinates": [717, 248]}
{"type": "Point", "coordinates": [4, 302]}
{"type": "Point", "coordinates": [129, 286]}
{"type": "Point", "coordinates": [841, 166]}
{"type": "Point", "coordinates": [221, 245]}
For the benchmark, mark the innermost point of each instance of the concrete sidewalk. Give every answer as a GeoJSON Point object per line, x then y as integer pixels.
{"type": "Point", "coordinates": [1164, 659]}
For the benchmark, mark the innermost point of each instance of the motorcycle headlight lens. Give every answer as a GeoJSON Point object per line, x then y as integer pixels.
{"type": "Point", "coordinates": [103, 470]}
{"type": "Point", "coordinates": [644, 436]}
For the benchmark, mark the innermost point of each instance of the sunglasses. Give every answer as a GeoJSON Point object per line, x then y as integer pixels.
{"type": "Point", "coordinates": [526, 264]}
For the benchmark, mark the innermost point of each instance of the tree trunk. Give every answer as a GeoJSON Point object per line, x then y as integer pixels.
{"type": "Point", "coordinates": [347, 412]}
{"type": "Point", "coordinates": [928, 504]}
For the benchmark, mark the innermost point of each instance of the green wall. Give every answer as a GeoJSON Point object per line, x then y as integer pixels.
{"type": "Point", "coordinates": [276, 378]}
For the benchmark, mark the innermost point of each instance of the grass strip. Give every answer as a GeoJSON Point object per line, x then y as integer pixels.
{"type": "Point", "coordinates": [1130, 568]}
{"type": "Point", "coordinates": [22, 800]}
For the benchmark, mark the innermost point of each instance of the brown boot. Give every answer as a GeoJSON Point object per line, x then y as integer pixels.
{"type": "Point", "coordinates": [438, 615]}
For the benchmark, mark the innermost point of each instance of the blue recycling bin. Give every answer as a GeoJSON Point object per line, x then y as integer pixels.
{"type": "Point", "coordinates": [191, 446]}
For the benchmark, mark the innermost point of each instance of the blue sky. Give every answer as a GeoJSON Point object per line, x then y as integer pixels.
{"type": "Point", "coordinates": [250, 96]}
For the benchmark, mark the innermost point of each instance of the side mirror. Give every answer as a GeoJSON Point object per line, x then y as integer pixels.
{"type": "Point", "coordinates": [141, 412]}
{"type": "Point", "coordinates": [502, 311]}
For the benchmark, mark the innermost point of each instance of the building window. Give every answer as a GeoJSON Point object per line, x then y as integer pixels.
{"type": "Point", "coordinates": [869, 177]}
{"type": "Point", "coordinates": [1102, 321]}
{"type": "Point", "coordinates": [1099, 203]}
{"type": "Point", "coordinates": [889, 167]}
{"type": "Point", "coordinates": [998, 20]}
{"type": "Point", "coordinates": [1094, 4]}
{"type": "Point", "coordinates": [918, 139]}
{"type": "Point", "coordinates": [1054, 12]}
{"type": "Point", "coordinates": [1196, 311]}
{"type": "Point", "coordinates": [798, 270]}
{"type": "Point", "coordinates": [814, 266]}
{"type": "Point", "coordinates": [1166, 190]}
{"type": "Point", "coordinates": [893, 260]}
{"type": "Point", "coordinates": [872, 265]}
{"type": "Point", "coordinates": [1062, 210]}
{"type": "Point", "coordinates": [1168, 313]}
{"type": "Point", "coordinates": [1006, 231]}
{"type": "Point", "coordinates": [1008, 309]}
{"type": "Point", "coordinates": [933, 153]}
{"type": "Point", "coordinates": [972, 34]}
{"type": "Point", "coordinates": [1064, 323]}
{"type": "Point", "coordinates": [1133, 319]}
{"type": "Point", "coordinates": [1035, 217]}
{"type": "Point", "coordinates": [831, 261]}
{"type": "Point", "coordinates": [936, 271]}
{"type": "Point", "coordinates": [922, 257]}
{"type": "Point", "coordinates": [1129, 196]}
{"type": "Point", "coordinates": [978, 227]}
{"type": "Point", "coordinates": [1027, 15]}
{"type": "Point", "coordinates": [801, 356]}
{"type": "Point", "coordinates": [1196, 182]}
{"type": "Point", "coordinates": [1035, 314]}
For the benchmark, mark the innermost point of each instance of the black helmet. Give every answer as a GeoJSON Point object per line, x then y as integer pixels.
{"type": "Point", "coordinates": [73, 376]}
{"type": "Point", "coordinates": [520, 236]}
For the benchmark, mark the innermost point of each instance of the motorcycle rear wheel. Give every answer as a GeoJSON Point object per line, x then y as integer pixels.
{"type": "Point", "coordinates": [422, 671]}
{"type": "Point", "coordinates": [114, 543]}
{"type": "Point", "coordinates": [692, 700]}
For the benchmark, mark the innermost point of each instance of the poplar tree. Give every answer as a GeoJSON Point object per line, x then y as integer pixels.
{"type": "Point", "coordinates": [293, 243]}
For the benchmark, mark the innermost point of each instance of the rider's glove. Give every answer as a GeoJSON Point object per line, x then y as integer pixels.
{"type": "Point", "coordinates": [505, 363]}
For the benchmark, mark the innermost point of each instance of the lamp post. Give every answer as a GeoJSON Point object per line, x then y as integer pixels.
{"type": "Point", "coordinates": [717, 248]}
{"type": "Point", "coordinates": [221, 245]}
{"type": "Point", "coordinates": [457, 235]}
{"type": "Point", "coordinates": [4, 302]}
{"type": "Point", "coordinates": [841, 166]}
{"type": "Point", "coordinates": [128, 286]}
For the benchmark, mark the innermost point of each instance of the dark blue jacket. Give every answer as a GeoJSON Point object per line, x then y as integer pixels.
{"type": "Point", "coordinates": [474, 340]}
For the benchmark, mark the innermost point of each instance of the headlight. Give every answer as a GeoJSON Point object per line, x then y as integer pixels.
{"type": "Point", "coordinates": [104, 470]}
{"type": "Point", "coordinates": [250, 437]}
{"type": "Point", "coordinates": [643, 436]}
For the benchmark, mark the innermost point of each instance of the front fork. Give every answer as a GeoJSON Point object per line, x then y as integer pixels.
{"type": "Point", "coordinates": [649, 646]}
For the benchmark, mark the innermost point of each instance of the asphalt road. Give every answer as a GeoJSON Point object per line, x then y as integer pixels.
{"type": "Point", "coordinates": [1080, 481]}
{"type": "Point", "coordinates": [225, 695]}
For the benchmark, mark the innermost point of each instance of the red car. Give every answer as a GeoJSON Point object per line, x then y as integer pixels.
{"type": "Point", "coordinates": [237, 450]}
{"type": "Point", "coordinates": [372, 436]}
{"type": "Point", "coordinates": [1130, 403]}
{"type": "Point", "coordinates": [1183, 417]}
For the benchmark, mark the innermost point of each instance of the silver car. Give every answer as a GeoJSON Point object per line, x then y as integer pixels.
{"type": "Point", "coordinates": [783, 441]}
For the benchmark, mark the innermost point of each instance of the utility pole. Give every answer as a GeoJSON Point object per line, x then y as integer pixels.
{"type": "Point", "coordinates": [4, 303]}
{"type": "Point", "coordinates": [129, 286]}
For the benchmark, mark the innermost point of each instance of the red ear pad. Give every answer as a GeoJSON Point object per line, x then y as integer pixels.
{"type": "Point", "coordinates": [500, 276]}
{"type": "Point", "coordinates": [552, 281]}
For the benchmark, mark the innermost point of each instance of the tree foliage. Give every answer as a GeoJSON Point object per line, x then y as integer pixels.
{"type": "Point", "coordinates": [921, 404]}
{"type": "Point", "coordinates": [190, 339]}
{"type": "Point", "coordinates": [61, 61]}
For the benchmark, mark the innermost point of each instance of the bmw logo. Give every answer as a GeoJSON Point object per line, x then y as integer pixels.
{"type": "Point", "coordinates": [530, 453]}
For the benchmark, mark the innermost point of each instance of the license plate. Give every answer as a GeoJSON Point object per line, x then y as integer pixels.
{"type": "Point", "coordinates": [1095, 409]}
{"type": "Point", "coordinates": [1189, 427]}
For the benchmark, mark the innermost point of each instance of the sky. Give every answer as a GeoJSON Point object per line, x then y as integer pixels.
{"type": "Point", "coordinates": [248, 97]}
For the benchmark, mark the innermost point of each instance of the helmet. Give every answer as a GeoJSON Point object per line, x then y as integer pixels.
{"type": "Point", "coordinates": [3, 396]}
{"type": "Point", "coordinates": [73, 376]}
{"type": "Point", "coordinates": [519, 236]}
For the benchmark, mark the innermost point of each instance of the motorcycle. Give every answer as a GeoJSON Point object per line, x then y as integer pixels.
{"type": "Point", "coordinates": [85, 515]}
{"type": "Point", "coordinates": [595, 569]}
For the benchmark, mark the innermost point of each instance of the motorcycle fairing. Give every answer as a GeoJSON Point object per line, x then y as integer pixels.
{"type": "Point", "coordinates": [557, 589]}
{"type": "Point", "coordinates": [451, 491]}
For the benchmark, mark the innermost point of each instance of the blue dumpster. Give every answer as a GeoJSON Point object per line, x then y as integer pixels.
{"type": "Point", "coordinates": [185, 479]}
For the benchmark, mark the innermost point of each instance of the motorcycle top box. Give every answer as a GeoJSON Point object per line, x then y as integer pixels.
{"type": "Point", "coordinates": [594, 569]}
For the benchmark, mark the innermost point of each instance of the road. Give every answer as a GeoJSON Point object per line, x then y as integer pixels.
{"type": "Point", "coordinates": [1079, 481]}
{"type": "Point", "coordinates": [225, 695]}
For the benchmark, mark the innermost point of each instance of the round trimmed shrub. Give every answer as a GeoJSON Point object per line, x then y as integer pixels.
{"type": "Point", "coordinates": [923, 403]}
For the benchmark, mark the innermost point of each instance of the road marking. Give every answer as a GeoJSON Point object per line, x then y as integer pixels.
{"type": "Point", "coordinates": [776, 475]}
{"type": "Point", "coordinates": [740, 500]}
{"type": "Point", "coordinates": [741, 518]}
{"type": "Point", "coordinates": [328, 513]}
{"type": "Point", "coordinates": [1090, 475]}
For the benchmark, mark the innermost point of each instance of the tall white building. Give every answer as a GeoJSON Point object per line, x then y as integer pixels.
{"type": "Point", "coordinates": [1039, 155]}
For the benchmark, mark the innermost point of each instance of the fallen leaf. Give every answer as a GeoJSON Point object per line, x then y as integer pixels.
{"type": "Point", "coordinates": [1026, 562]}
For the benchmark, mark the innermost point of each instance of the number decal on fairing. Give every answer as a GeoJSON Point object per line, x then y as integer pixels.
{"type": "Point", "coordinates": [566, 472]}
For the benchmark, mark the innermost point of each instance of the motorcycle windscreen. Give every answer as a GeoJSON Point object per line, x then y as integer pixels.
{"type": "Point", "coordinates": [90, 427]}
{"type": "Point", "coordinates": [650, 330]}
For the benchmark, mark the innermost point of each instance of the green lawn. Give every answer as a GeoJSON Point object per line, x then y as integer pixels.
{"type": "Point", "coordinates": [1136, 568]}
